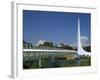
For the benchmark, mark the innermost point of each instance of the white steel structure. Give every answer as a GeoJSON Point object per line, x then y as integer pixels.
{"type": "Point", "coordinates": [80, 50]}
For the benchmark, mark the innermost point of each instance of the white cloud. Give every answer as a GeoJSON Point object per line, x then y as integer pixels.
{"type": "Point", "coordinates": [74, 45]}
{"type": "Point", "coordinates": [84, 38]}
{"type": "Point", "coordinates": [84, 41]}
{"type": "Point", "coordinates": [40, 42]}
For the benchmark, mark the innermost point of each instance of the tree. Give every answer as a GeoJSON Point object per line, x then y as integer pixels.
{"type": "Point", "coordinates": [87, 48]}
{"type": "Point", "coordinates": [62, 45]}
{"type": "Point", "coordinates": [27, 44]}
{"type": "Point", "coordinates": [67, 47]}
{"type": "Point", "coordinates": [48, 44]}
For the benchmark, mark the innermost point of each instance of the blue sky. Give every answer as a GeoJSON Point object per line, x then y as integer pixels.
{"type": "Point", "coordinates": [58, 27]}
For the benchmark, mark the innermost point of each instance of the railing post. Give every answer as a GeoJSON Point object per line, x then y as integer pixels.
{"type": "Point", "coordinates": [39, 62]}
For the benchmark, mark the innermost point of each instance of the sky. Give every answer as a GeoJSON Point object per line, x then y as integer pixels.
{"type": "Point", "coordinates": [57, 27]}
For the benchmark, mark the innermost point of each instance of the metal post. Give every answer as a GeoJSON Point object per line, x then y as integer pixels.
{"type": "Point", "coordinates": [39, 62]}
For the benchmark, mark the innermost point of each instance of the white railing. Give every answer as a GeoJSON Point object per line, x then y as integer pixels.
{"type": "Point", "coordinates": [43, 50]}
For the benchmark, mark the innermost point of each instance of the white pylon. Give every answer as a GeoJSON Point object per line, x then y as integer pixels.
{"type": "Point", "coordinates": [80, 50]}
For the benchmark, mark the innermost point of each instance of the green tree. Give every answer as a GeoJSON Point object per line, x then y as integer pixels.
{"type": "Point", "coordinates": [27, 45]}
{"type": "Point", "coordinates": [87, 48]}
{"type": "Point", "coordinates": [65, 46]}
{"type": "Point", "coordinates": [48, 44]}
